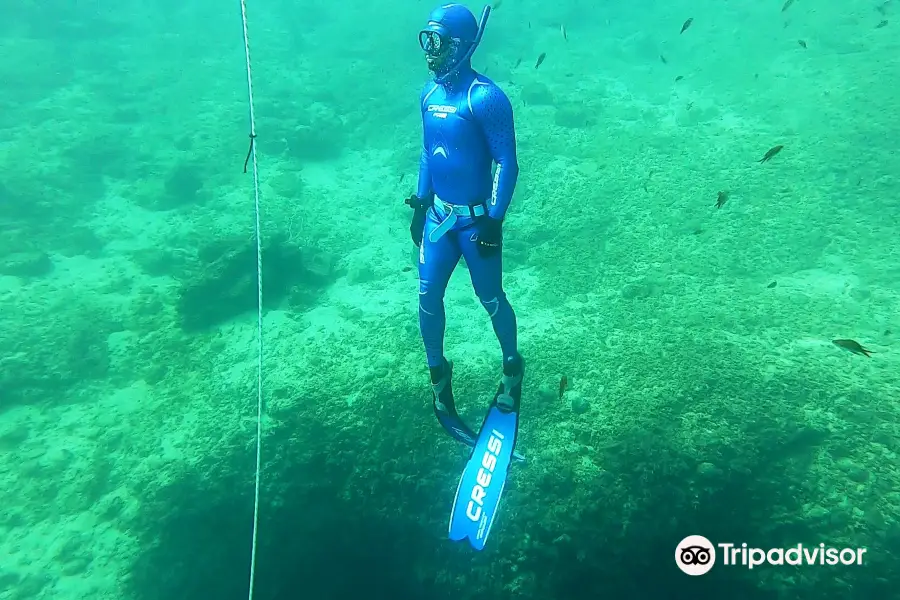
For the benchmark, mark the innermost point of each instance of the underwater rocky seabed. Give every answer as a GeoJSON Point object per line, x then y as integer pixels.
{"type": "Point", "coordinates": [714, 405]}
{"type": "Point", "coordinates": [702, 401]}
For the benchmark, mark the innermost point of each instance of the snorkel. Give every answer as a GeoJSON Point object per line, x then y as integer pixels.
{"type": "Point", "coordinates": [443, 79]}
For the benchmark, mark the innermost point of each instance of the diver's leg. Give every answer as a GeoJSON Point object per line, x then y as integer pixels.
{"type": "Point", "coordinates": [437, 259]}
{"type": "Point", "coordinates": [487, 275]}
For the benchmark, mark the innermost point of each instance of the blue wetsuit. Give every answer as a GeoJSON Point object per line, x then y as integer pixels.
{"type": "Point", "coordinates": [468, 126]}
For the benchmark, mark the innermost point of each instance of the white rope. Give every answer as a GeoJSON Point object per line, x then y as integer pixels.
{"type": "Point", "coordinates": [259, 308]}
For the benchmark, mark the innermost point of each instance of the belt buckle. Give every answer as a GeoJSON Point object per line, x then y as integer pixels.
{"type": "Point", "coordinates": [473, 210]}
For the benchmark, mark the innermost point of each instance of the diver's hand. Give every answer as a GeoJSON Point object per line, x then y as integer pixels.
{"type": "Point", "coordinates": [417, 225]}
{"type": "Point", "coordinates": [490, 236]}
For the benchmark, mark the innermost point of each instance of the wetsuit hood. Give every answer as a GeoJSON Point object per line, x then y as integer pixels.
{"type": "Point", "coordinates": [450, 38]}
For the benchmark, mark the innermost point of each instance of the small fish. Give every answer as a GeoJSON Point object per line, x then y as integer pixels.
{"type": "Point", "coordinates": [497, 5]}
{"type": "Point", "coordinates": [686, 25]}
{"type": "Point", "coordinates": [771, 285]}
{"type": "Point", "coordinates": [562, 30]}
{"type": "Point", "coordinates": [540, 59]}
{"type": "Point", "coordinates": [663, 59]}
{"type": "Point", "coordinates": [402, 175]}
{"type": "Point", "coordinates": [787, 5]}
{"type": "Point", "coordinates": [882, 8]}
{"type": "Point", "coordinates": [649, 177]}
{"type": "Point", "coordinates": [518, 62]}
{"type": "Point", "coordinates": [563, 385]}
{"type": "Point", "coordinates": [679, 78]}
{"type": "Point", "coordinates": [802, 44]}
{"type": "Point", "coordinates": [853, 346]}
{"type": "Point", "coordinates": [772, 152]}
{"type": "Point", "coordinates": [882, 24]}
{"type": "Point", "coordinates": [721, 199]}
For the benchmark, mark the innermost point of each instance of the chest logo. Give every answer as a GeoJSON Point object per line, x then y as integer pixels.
{"type": "Point", "coordinates": [441, 108]}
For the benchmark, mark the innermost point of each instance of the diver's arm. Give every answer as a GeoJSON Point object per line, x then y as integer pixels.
{"type": "Point", "coordinates": [424, 190]}
{"type": "Point", "coordinates": [494, 113]}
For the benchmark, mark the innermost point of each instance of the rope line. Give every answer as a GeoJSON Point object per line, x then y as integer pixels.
{"type": "Point", "coordinates": [251, 153]}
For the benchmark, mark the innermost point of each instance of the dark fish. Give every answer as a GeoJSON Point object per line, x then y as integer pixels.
{"type": "Point", "coordinates": [853, 346]}
{"type": "Point", "coordinates": [771, 285]}
{"type": "Point", "coordinates": [882, 8]}
{"type": "Point", "coordinates": [497, 5]}
{"type": "Point", "coordinates": [540, 59]}
{"type": "Point", "coordinates": [802, 44]}
{"type": "Point", "coordinates": [649, 177]}
{"type": "Point", "coordinates": [518, 62]}
{"type": "Point", "coordinates": [787, 5]}
{"type": "Point", "coordinates": [562, 30]}
{"type": "Point", "coordinates": [772, 152]}
{"type": "Point", "coordinates": [563, 385]}
{"type": "Point", "coordinates": [882, 24]}
{"type": "Point", "coordinates": [663, 59]}
{"type": "Point", "coordinates": [402, 175]}
{"type": "Point", "coordinates": [679, 78]}
{"type": "Point", "coordinates": [721, 199]}
{"type": "Point", "coordinates": [686, 25]}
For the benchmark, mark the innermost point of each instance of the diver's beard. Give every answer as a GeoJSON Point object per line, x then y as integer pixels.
{"type": "Point", "coordinates": [438, 65]}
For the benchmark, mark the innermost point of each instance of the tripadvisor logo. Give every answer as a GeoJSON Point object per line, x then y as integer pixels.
{"type": "Point", "coordinates": [696, 555]}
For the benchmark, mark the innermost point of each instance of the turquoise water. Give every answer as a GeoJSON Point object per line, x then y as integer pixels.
{"type": "Point", "coordinates": [705, 394]}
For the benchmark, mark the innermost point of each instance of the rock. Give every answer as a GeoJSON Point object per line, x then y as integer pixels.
{"type": "Point", "coordinates": [26, 264]}
{"type": "Point", "coordinates": [637, 290]}
{"type": "Point", "coordinates": [536, 94]}
{"type": "Point", "coordinates": [708, 470]}
{"type": "Point", "coordinates": [223, 285]}
{"type": "Point", "coordinates": [580, 404]}
{"type": "Point", "coordinates": [575, 116]}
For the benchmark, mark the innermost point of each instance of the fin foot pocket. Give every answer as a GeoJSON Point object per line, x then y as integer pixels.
{"type": "Point", "coordinates": [509, 394]}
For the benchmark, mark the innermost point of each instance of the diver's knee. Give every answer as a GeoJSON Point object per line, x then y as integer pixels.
{"type": "Point", "coordinates": [492, 306]}
{"type": "Point", "coordinates": [431, 299]}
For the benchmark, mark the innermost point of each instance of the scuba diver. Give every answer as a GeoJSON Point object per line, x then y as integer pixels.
{"type": "Point", "coordinates": [458, 212]}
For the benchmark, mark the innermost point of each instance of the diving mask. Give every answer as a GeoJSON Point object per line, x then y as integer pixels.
{"type": "Point", "coordinates": [439, 49]}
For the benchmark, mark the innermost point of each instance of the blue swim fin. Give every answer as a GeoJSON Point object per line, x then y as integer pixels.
{"type": "Point", "coordinates": [481, 485]}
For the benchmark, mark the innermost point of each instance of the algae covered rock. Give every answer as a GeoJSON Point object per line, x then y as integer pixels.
{"type": "Point", "coordinates": [223, 283]}
{"type": "Point", "coordinates": [179, 187]}
{"type": "Point", "coordinates": [49, 350]}
{"type": "Point", "coordinates": [26, 264]}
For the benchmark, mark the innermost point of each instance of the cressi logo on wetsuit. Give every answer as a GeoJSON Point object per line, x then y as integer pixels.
{"type": "Point", "coordinates": [440, 110]}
